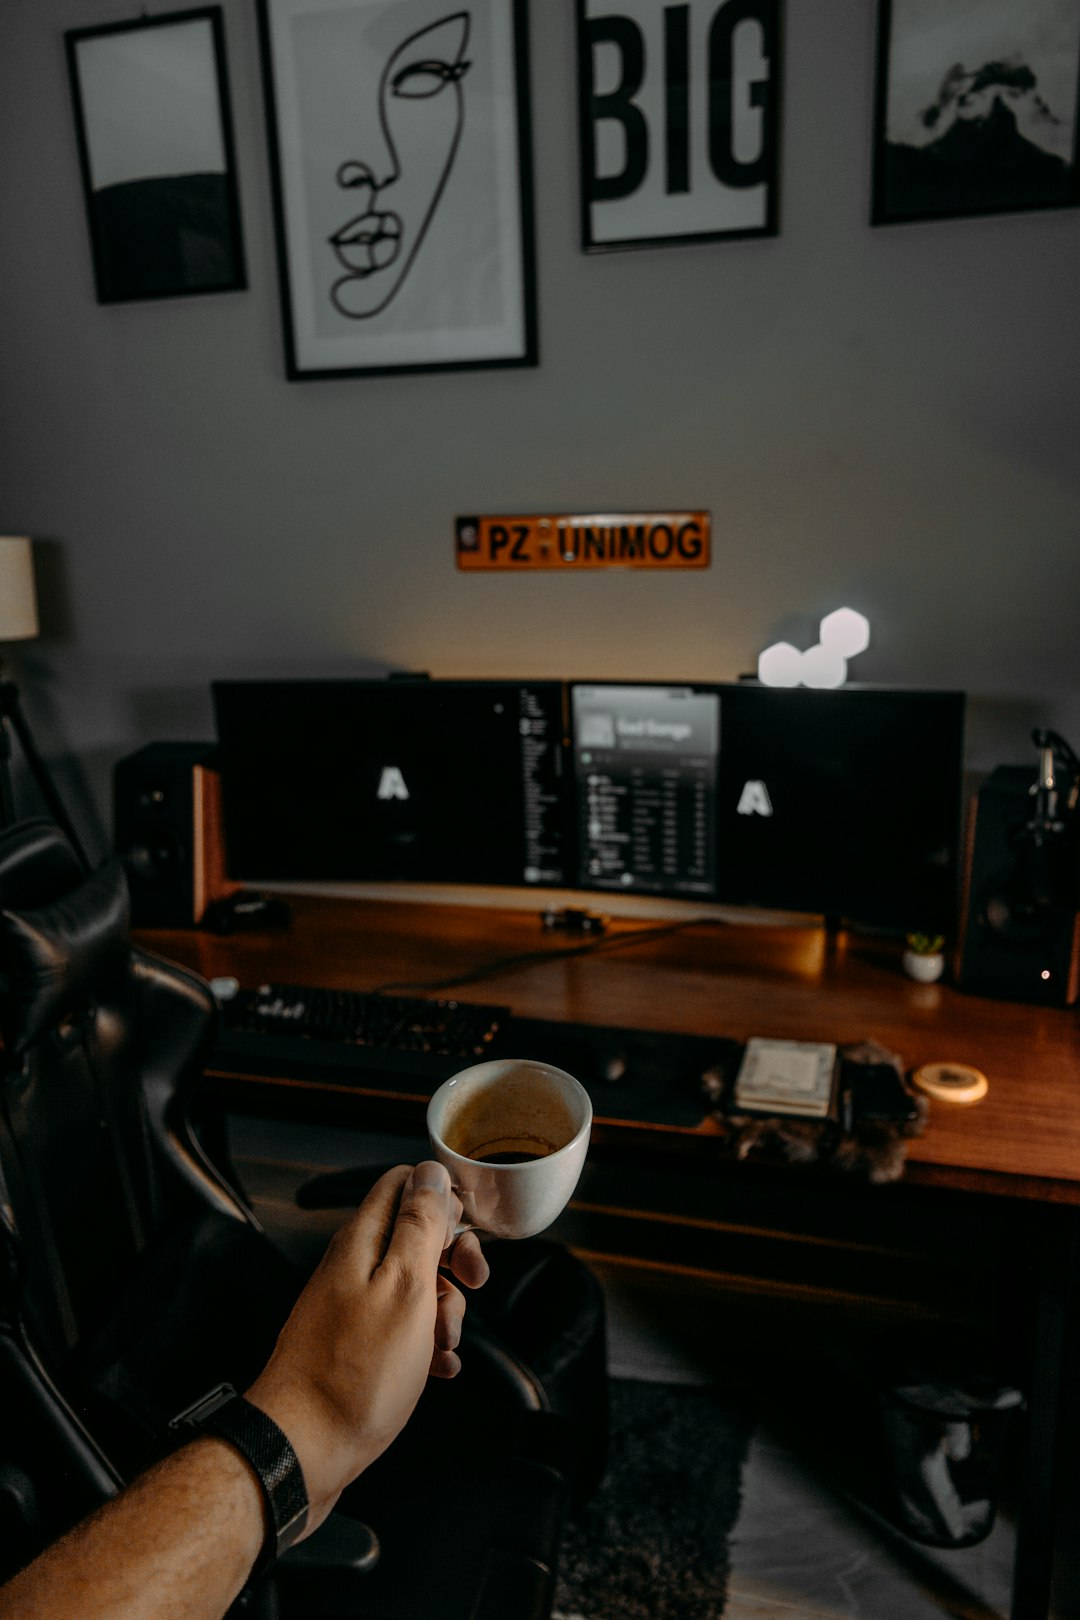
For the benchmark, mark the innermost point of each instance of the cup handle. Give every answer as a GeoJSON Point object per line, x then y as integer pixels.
{"type": "Point", "coordinates": [464, 1196]}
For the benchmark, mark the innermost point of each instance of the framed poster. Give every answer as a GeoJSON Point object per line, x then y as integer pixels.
{"type": "Point", "coordinates": [679, 117]}
{"type": "Point", "coordinates": [155, 141]}
{"type": "Point", "coordinates": [976, 107]}
{"type": "Point", "coordinates": [399, 141]}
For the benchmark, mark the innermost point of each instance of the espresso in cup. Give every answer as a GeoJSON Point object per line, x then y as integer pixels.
{"type": "Point", "coordinates": [513, 1134]}
{"type": "Point", "coordinates": [482, 1156]}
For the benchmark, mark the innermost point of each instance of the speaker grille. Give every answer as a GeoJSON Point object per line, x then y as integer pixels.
{"type": "Point", "coordinates": [167, 831]}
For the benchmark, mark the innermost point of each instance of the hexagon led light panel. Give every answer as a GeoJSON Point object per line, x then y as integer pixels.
{"type": "Point", "coordinates": [823, 668]}
{"type": "Point", "coordinates": [780, 665]}
{"type": "Point", "coordinates": [843, 634]}
{"type": "Point", "coordinates": [845, 631]}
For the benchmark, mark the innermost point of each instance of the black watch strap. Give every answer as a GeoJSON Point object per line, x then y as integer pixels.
{"type": "Point", "coordinates": [266, 1448]}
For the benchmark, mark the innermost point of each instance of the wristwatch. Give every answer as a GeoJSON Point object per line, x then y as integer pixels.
{"type": "Point", "coordinates": [266, 1449]}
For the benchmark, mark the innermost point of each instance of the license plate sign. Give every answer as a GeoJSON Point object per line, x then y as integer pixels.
{"type": "Point", "coordinates": [594, 540]}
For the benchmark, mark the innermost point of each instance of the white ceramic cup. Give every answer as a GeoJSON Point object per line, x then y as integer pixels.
{"type": "Point", "coordinates": [508, 1107]}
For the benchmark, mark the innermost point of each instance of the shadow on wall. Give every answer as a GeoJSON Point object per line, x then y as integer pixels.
{"type": "Point", "coordinates": [53, 593]}
{"type": "Point", "coordinates": [185, 712]}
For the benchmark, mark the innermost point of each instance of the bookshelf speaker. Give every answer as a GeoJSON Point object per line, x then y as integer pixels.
{"type": "Point", "coordinates": [168, 833]}
{"type": "Point", "coordinates": [1020, 928]}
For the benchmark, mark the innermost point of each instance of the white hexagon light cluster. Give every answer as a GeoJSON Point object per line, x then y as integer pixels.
{"type": "Point", "coordinates": [844, 634]}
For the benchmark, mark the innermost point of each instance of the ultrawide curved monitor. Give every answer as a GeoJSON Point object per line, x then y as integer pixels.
{"type": "Point", "coordinates": [845, 803]}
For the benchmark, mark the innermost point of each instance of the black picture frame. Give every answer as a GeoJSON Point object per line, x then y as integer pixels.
{"type": "Point", "coordinates": [976, 112]}
{"type": "Point", "coordinates": [153, 122]}
{"type": "Point", "coordinates": [706, 167]}
{"type": "Point", "coordinates": [439, 273]}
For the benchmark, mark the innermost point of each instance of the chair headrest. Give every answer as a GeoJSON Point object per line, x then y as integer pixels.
{"type": "Point", "coordinates": [37, 864]}
{"type": "Point", "coordinates": [55, 957]}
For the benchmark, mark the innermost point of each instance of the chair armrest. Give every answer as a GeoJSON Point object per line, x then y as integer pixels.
{"type": "Point", "coordinates": [514, 1584]}
{"type": "Point", "coordinates": [339, 1546]}
{"type": "Point", "coordinates": [509, 1374]}
{"type": "Point", "coordinates": [326, 1573]}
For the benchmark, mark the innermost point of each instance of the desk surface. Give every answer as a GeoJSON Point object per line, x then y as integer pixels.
{"type": "Point", "coordinates": [1022, 1140]}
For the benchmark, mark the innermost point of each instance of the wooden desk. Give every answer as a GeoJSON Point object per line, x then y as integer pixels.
{"type": "Point", "coordinates": [1016, 1153]}
{"type": "Point", "coordinates": [1022, 1140]}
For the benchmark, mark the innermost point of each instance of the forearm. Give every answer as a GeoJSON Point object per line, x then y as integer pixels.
{"type": "Point", "coordinates": [375, 1319]}
{"type": "Point", "coordinates": [177, 1545]}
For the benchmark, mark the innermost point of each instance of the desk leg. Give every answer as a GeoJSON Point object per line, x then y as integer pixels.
{"type": "Point", "coordinates": [1035, 1530]}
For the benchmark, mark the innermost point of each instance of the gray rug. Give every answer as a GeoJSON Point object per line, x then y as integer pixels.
{"type": "Point", "coordinates": [653, 1542]}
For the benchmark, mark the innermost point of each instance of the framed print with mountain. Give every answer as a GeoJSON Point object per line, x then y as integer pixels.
{"type": "Point", "coordinates": [155, 145]}
{"type": "Point", "coordinates": [976, 107]}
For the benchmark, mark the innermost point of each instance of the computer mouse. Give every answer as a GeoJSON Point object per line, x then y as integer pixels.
{"type": "Point", "coordinates": [613, 1065]}
{"type": "Point", "coordinates": [245, 909]}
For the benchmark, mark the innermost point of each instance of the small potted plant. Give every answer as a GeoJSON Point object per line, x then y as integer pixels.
{"type": "Point", "coordinates": [924, 957]}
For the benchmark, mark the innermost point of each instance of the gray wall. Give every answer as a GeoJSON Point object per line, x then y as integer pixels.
{"type": "Point", "coordinates": [885, 418]}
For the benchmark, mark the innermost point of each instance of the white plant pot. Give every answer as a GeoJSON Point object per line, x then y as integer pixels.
{"type": "Point", "coordinates": [923, 968]}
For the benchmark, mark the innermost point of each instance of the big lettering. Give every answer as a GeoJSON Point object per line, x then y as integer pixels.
{"type": "Point", "coordinates": [679, 116]}
{"type": "Point", "coordinates": [726, 91]}
{"type": "Point", "coordinates": [619, 104]}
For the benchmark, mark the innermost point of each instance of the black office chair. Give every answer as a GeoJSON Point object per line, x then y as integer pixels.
{"type": "Point", "coordinates": [133, 1278]}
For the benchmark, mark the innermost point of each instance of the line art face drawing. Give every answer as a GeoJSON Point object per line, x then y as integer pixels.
{"type": "Point", "coordinates": [408, 154]}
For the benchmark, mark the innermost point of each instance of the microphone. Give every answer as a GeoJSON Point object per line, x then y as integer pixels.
{"type": "Point", "coordinates": [1041, 847]}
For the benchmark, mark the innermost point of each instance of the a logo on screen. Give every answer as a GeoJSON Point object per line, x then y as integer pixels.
{"type": "Point", "coordinates": [754, 800]}
{"type": "Point", "coordinates": [392, 784]}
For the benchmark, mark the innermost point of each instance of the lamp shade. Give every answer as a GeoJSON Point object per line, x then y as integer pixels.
{"type": "Point", "coordinates": [18, 598]}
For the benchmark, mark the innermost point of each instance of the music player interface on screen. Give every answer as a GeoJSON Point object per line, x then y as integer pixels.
{"type": "Point", "coordinates": [646, 761]}
{"type": "Point", "coordinates": [541, 782]}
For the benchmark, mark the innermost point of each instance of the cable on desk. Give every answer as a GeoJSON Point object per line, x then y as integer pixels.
{"type": "Point", "coordinates": [605, 942]}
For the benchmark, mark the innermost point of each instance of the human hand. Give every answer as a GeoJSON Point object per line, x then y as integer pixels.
{"type": "Point", "coordinates": [375, 1319]}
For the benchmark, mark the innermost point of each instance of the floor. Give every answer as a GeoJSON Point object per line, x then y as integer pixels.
{"type": "Point", "coordinates": [803, 1548]}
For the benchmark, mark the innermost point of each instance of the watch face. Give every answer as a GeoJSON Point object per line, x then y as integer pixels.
{"type": "Point", "coordinates": [204, 1407]}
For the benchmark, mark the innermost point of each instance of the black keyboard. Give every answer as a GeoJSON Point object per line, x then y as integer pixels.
{"type": "Point", "coordinates": [422, 1039]}
{"type": "Point", "coordinates": [412, 1044]}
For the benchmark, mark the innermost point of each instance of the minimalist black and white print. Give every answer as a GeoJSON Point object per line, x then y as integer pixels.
{"type": "Point", "coordinates": [399, 138]}
{"type": "Point", "coordinates": [420, 93]}
{"type": "Point", "coordinates": [976, 107]}
{"type": "Point", "coordinates": [679, 115]}
{"type": "Point", "coordinates": [155, 145]}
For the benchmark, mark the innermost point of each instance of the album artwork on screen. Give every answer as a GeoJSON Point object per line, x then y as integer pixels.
{"type": "Point", "coordinates": [645, 763]}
